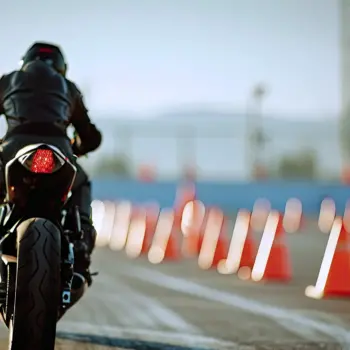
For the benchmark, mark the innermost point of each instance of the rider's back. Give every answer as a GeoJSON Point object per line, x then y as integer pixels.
{"type": "Point", "coordinates": [38, 101]}
{"type": "Point", "coordinates": [37, 94]}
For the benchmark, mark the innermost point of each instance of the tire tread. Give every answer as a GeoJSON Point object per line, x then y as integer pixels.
{"type": "Point", "coordinates": [37, 285]}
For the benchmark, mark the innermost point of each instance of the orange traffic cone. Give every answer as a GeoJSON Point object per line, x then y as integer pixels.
{"type": "Point", "coordinates": [185, 193]}
{"type": "Point", "coordinates": [191, 227]}
{"type": "Point", "coordinates": [152, 214]}
{"type": "Point", "coordinates": [214, 243]}
{"type": "Point", "coordinates": [327, 215]}
{"type": "Point", "coordinates": [293, 219]}
{"type": "Point", "coordinates": [249, 251]}
{"type": "Point", "coordinates": [335, 268]}
{"type": "Point", "coordinates": [165, 241]}
{"type": "Point", "coordinates": [106, 224]}
{"type": "Point", "coordinates": [242, 249]}
{"type": "Point", "coordinates": [346, 217]}
{"type": "Point", "coordinates": [273, 260]}
{"type": "Point", "coordinates": [123, 214]}
{"type": "Point", "coordinates": [136, 233]}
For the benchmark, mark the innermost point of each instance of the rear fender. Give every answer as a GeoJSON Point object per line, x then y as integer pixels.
{"type": "Point", "coordinates": [18, 172]}
{"type": "Point", "coordinates": [24, 153]}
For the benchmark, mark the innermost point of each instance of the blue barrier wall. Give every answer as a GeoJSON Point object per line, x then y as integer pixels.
{"type": "Point", "coordinates": [228, 196]}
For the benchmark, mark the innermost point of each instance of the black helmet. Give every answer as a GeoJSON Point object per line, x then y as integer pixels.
{"type": "Point", "coordinates": [48, 53]}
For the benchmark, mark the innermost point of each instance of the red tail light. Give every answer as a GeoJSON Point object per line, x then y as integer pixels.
{"type": "Point", "coordinates": [45, 49]}
{"type": "Point", "coordinates": [43, 162]}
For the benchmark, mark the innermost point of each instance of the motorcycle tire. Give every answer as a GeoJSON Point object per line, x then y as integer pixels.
{"type": "Point", "coordinates": [37, 294]}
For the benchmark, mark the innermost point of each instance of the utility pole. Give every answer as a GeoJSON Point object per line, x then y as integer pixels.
{"type": "Point", "coordinates": [256, 139]}
{"type": "Point", "coordinates": [186, 151]}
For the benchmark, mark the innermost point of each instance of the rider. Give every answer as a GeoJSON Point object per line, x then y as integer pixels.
{"type": "Point", "coordinates": [39, 103]}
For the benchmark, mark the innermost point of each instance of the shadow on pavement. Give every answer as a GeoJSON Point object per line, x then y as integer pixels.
{"type": "Point", "coordinates": [121, 343]}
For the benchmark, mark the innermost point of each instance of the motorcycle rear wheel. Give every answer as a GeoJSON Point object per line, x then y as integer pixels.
{"type": "Point", "coordinates": [37, 286]}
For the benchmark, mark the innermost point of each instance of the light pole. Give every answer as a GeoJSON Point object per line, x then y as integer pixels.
{"type": "Point", "coordinates": [186, 151]}
{"type": "Point", "coordinates": [254, 127]}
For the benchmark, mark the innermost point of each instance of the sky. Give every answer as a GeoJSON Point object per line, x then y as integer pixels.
{"type": "Point", "coordinates": [148, 56]}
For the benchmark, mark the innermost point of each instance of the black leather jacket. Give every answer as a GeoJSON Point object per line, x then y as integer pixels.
{"type": "Point", "coordinates": [40, 101]}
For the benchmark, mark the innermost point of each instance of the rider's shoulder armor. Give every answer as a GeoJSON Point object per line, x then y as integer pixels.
{"type": "Point", "coordinates": [37, 94]}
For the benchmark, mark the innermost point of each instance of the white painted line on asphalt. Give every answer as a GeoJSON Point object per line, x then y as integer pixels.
{"type": "Point", "coordinates": [173, 338]}
{"type": "Point", "coordinates": [329, 318]}
{"type": "Point", "coordinates": [304, 332]}
{"type": "Point", "coordinates": [126, 309]}
{"type": "Point", "coordinates": [340, 334]}
{"type": "Point", "coordinates": [122, 310]}
{"type": "Point", "coordinates": [164, 315]}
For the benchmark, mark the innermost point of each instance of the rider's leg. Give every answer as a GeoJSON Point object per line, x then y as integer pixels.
{"type": "Point", "coordinates": [81, 197]}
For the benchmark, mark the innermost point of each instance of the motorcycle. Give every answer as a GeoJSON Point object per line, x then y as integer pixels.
{"type": "Point", "coordinates": [36, 250]}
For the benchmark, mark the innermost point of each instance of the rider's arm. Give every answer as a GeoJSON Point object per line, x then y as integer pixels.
{"type": "Point", "coordinates": [89, 137]}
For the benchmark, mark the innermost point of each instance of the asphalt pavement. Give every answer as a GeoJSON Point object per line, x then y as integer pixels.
{"type": "Point", "coordinates": [134, 304]}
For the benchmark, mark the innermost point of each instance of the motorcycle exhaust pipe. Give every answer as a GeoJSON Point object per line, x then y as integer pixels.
{"type": "Point", "coordinates": [79, 287]}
